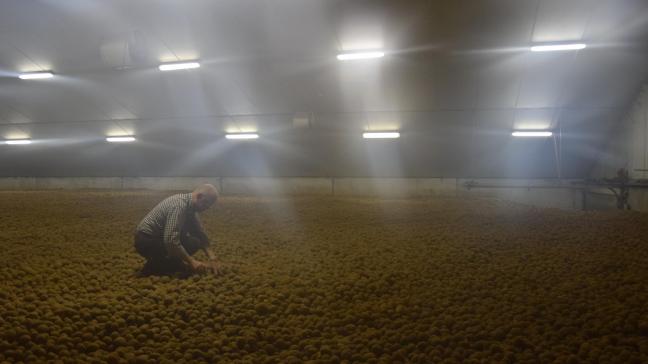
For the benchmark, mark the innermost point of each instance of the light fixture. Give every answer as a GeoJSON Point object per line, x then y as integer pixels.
{"type": "Point", "coordinates": [35, 75]}
{"type": "Point", "coordinates": [532, 133]}
{"type": "Point", "coordinates": [120, 139]}
{"type": "Point", "coordinates": [381, 135]}
{"type": "Point", "coordinates": [558, 47]}
{"type": "Point", "coordinates": [178, 66]}
{"type": "Point", "coordinates": [242, 136]}
{"type": "Point", "coordinates": [18, 141]}
{"type": "Point", "coordinates": [352, 56]}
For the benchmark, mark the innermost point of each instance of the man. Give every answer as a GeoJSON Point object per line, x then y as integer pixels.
{"type": "Point", "coordinates": [171, 233]}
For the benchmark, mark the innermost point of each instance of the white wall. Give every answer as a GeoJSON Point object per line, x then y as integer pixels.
{"type": "Point", "coordinates": [628, 148]}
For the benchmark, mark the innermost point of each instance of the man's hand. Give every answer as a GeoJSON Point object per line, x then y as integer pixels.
{"type": "Point", "coordinates": [199, 267]}
{"type": "Point", "coordinates": [215, 267]}
{"type": "Point", "coordinates": [213, 263]}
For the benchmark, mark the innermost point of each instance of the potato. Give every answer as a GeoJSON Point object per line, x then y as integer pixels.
{"type": "Point", "coordinates": [440, 280]}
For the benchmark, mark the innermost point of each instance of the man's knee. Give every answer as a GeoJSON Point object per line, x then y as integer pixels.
{"type": "Point", "coordinates": [148, 247]}
{"type": "Point", "coordinates": [191, 244]}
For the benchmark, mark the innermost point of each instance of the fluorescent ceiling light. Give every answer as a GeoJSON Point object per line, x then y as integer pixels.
{"type": "Point", "coordinates": [532, 133]}
{"type": "Point", "coordinates": [178, 66]}
{"type": "Point", "coordinates": [242, 136]}
{"type": "Point", "coordinates": [359, 55]}
{"type": "Point", "coordinates": [35, 75]}
{"type": "Point", "coordinates": [381, 135]}
{"type": "Point", "coordinates": [558, 47]}
{"type": "Point", "coordinates": [120, 139]}
{"type": "Point", "coordinates": [18, 141]}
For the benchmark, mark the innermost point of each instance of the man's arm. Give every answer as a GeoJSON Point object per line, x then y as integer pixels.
{"type": "Point", "coordinates": [200, 233]}
{"type": "Point", "coordinates": [172, 230]}
{"type": "Point", "coordinates": [197, 229]}
{"type": "Point", "coordinates": [213, 261]}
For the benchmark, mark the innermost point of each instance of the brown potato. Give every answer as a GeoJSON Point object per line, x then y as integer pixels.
{"type": "Point", "coordinates": [439, 280]}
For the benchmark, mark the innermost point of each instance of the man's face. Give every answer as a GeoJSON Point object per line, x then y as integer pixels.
{"type": "Point", "coordinates": [203, 202]}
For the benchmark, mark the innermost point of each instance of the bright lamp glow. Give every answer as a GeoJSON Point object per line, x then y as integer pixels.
{"type": "Point", "coordinates": [120, 139]}
{"type": "Point", "coordinates": [381, 135]}
{"type": "Point", "coordinates": [18, 141]}
{"type": "Point", "coordinates": [35, 75]}
{"type": "Point", "coordinates": [558, 47]}
{"type": "Point", "coordinates": [532, 133]}
{"type": "Point", "coordinates": [178, 66]}
{"type": "Point", "coordinates": [360, 55]}
{"type": "Point", "coordinates": [242, 136]}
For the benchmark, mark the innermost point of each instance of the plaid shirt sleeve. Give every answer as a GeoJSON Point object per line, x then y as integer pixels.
{"type": "Point", "coordinates": [172, 229]}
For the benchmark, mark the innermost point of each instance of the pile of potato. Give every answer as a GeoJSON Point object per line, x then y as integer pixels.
{"type": "Point", "coordinates": [323, 280]}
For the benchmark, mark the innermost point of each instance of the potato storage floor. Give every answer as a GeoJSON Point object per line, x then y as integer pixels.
{"type": "Point", "coordinates": [325, 280]}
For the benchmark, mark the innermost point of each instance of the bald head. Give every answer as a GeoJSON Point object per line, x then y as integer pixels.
{"type": "Point", "coordinates": [204, 196]}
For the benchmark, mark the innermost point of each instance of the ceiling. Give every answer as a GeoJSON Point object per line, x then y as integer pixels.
{"type": "Point", "coordinates": [452, 67]}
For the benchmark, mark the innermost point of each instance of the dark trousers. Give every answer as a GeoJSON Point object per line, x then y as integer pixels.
{"type": "Point", "coordinates": [157, 260]}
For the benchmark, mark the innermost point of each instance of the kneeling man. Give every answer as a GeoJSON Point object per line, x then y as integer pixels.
{"type": "Point", "coordinates": [171, 233]}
